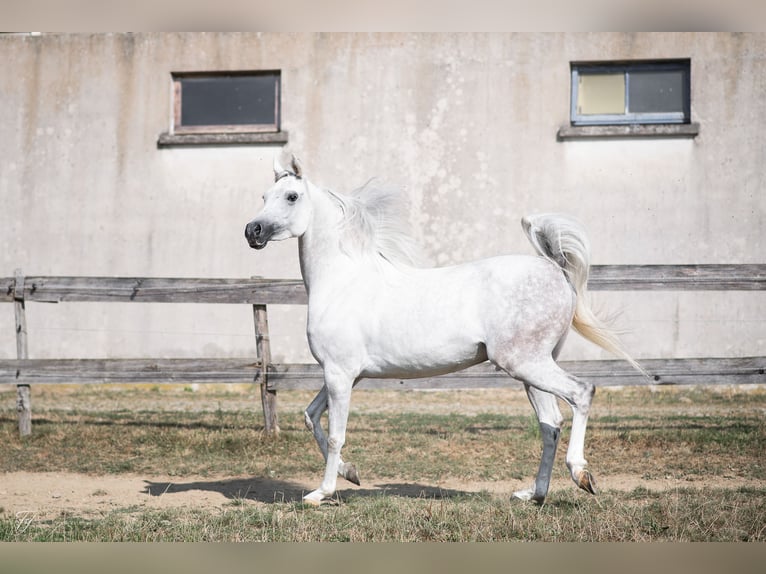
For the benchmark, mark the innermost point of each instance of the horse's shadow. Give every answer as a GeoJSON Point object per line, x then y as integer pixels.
{"type": "Point", "coordinates": [269, 490]}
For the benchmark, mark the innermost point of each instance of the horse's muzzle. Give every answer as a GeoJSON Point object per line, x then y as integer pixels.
{"type": "Point", "coordinates": [255, 235]}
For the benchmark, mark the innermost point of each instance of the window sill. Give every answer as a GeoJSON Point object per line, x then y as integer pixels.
{"type": "Point", "coordinates": [632, 131]}
{"type": "Point", "coordinates": [222, 139]}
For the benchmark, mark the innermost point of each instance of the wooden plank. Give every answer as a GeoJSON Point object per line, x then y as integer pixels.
{"type": "Point", "coordinates": [259, 291]}
{"type": "Point", "coordinates": [744, 370]}
{"type": "Point", "coordinates": [739, 370]}
{"type": "Point", "coordinates": [23, 394]}
{"type": "Point", "coordinates": [263, 351]}
{"type": "Point", "coordinates": [54, 371]}
{"type": "Point", "coordinates": [698, 371]}
{"type": "Point", "coordinates": [162, 290]}
{"type": "Point", "coordinates": [746, 277]}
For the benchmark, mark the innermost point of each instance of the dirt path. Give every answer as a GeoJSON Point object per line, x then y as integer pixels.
{"type": "Point", "coordinates": [48, 495]}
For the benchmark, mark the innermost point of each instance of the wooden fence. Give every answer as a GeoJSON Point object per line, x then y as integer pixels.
{"type": "Point", "coordinates": [259, 293]}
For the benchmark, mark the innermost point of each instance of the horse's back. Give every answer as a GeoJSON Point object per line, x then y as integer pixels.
{"type": "Point", "coordinates": [493, 280]}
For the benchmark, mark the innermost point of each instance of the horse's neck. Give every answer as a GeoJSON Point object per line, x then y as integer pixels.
{"type": "Point", "coordinates": [321, 258]}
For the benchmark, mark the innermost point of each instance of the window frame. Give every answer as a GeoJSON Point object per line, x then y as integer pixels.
{"type": "Point", "coordinates": [626, 68]}
{"type": "Point", "coordinates": [177, 128]}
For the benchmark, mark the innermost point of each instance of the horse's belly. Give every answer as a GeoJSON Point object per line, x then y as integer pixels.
{"type": "Point", "coordinates": [407, 359]}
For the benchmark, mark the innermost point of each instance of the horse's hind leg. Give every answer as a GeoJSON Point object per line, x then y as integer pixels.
{"type": "Point", "coordinates": [312, 417]}
{"type": "Point", "coordinates": [550, 419]}
{"type": "Point", "coordinates": [545, 375]}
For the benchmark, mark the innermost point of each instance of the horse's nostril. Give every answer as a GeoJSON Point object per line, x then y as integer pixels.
{"type": "Point", "coordinates": [253, 230]}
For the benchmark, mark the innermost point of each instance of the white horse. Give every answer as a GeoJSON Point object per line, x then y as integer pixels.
{"type": "Point", "coordinates": [373, 312]}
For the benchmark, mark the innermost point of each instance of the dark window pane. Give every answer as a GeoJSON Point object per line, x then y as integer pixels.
{"type": "Point", "coordinates": [656, 92]}
{"type": "Point", "coordinates": [228, 100]}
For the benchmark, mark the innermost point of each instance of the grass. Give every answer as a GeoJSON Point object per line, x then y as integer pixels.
{"type": "Point", "coordinates": [683, 433]}
{"type": "Point", "coordinates": [680, 515]}
{"type": "Point", "coordinates": [480, 447]}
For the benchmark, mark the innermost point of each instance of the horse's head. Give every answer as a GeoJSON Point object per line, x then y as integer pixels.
{"type": "Point", "coordinates": [286, 208]}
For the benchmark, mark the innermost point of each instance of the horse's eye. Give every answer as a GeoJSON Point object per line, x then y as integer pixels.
{"type": "Point", "coordinates": [292, 197]}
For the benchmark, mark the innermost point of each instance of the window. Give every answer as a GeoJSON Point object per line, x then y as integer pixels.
{"type": "Point", "coordinates": [225, 108]}
{"type": "Point", "coordinates": [614, 93]}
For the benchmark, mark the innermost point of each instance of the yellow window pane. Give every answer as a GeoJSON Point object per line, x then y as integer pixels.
{"type": "Point", "coordinates": [601, 94]}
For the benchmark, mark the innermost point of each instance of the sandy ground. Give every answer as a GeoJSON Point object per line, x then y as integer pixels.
{"type": "Point", "coordinates": [48, 495]}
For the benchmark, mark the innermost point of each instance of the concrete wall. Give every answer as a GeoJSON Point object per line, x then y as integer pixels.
{"type": "Point", "coordinates": [467, 122]}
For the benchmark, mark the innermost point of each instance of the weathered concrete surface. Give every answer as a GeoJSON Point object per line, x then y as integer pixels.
{"type": "Point", "coordinates": [467, 122]}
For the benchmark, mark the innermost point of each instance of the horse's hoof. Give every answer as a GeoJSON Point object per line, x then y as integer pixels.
{"type": "Point", "coordinates": [313, 499]}
{"type": "Point", "coordinates": [529, 495]}
{"type": "Point", "coordinates": [350, 474]}
{"type": "Point", "coordinates": [587, 482]}
{"type": "Point", "coordinates": [524, 494]}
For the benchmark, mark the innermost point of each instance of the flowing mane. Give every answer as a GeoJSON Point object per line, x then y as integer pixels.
{"type": "Point", "coordinates": [375, 222]}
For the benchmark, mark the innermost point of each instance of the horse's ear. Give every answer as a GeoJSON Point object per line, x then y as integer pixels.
{"type": "Point", "coordinates": [296, 166]}
{"type": "Point", "coordinates": [277, 166]}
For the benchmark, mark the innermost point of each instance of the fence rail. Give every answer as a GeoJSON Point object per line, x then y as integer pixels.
{"type": "Point", "coordinates": [604, 373]}
{"type": "Point", "coordinates": [255, 291]}
{"type": "Point", "coordinates": [260, 292]}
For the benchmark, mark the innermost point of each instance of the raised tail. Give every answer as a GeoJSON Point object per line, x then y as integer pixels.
{"type": "Point", "coordinates": [562, 239]}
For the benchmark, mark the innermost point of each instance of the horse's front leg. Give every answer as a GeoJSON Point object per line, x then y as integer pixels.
{"type": "Point", "coordinates": [338, 387]}
{"type": "Point", "coordinates": [312, 417]}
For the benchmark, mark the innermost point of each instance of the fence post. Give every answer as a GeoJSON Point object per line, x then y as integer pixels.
{"type": "Point", "coordinates": [263, 351]}
{"type": "Point", "coordinates": [23, 402]}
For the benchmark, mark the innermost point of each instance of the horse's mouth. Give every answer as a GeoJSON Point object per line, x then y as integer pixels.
{"type": "Point", "coordinates": [256, 243]}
